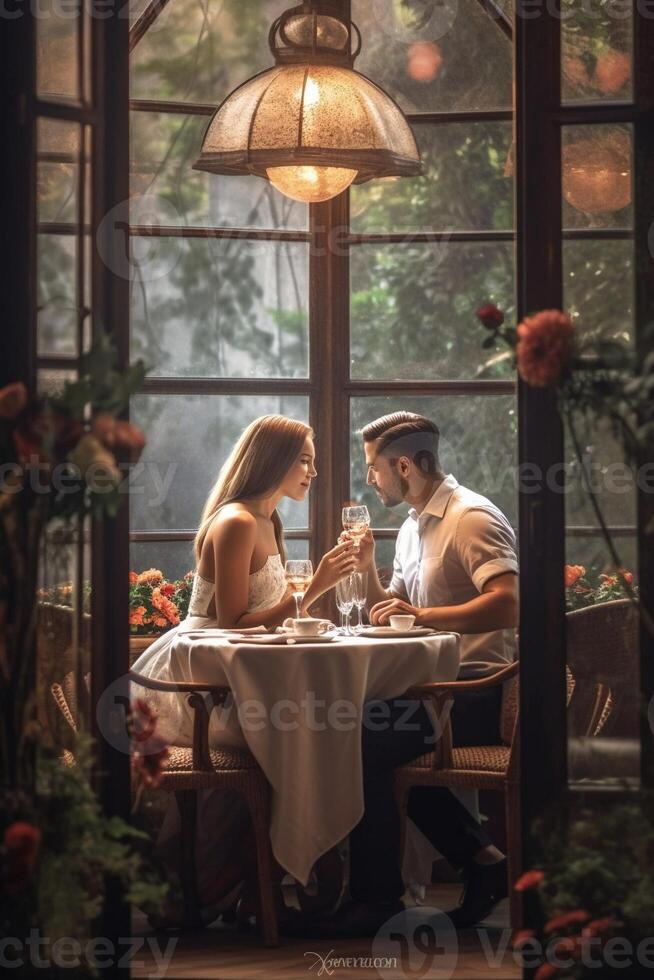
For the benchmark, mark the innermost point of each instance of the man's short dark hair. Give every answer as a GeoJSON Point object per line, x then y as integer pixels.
{"type": "Point", "coordinates": [406, 434]}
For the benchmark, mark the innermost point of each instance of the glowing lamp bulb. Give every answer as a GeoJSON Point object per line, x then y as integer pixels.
{"type": "Point", "coordinates": [311, 184]}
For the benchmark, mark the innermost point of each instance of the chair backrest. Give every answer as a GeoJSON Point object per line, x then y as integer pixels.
{"type": "Point", "coordinates": [602, 653]}
{"type": "Point", "coordinates": [511, 704]}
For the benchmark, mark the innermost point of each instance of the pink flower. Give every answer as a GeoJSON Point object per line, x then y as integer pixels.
{"type": "Point", "coordinates": [530, 879]}
{"type": "Point", "coordinates": [424, 61]}
{"type": "Point", "coordinates": [544, 347]}
{"type": "Point", "coordinates": [151, 767]}
{"type": "Point", "coordinates": [13, 400]}
{"type": "Point", "coordinates": [491, 317]}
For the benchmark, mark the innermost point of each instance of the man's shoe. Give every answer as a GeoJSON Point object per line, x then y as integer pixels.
{"type": "Point", "coordinates": [485, 886]}
{"type": "Point", "coordinates": [354, 920]}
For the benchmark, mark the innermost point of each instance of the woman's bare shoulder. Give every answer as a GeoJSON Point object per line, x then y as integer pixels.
{"type": "Point", "coordinates": [233, 521]}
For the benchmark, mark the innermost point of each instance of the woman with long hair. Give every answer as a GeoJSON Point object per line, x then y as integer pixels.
{"type": "Point", "coordinates": [239, 583]}
{"type": "Point", "coordinates": [239, 547]}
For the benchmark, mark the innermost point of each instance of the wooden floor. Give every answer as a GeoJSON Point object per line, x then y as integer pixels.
{"type": "Point", "coordinates": [218, 954]}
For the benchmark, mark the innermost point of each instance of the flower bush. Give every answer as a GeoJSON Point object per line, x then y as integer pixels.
{"type": "Point", "coordinates": [593, 884]}
{"type": "Point", "coordinates": [156, 605]}
{"type": "Point", "coordinates": [588, 587]}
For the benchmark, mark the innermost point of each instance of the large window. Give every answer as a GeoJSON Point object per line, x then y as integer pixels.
{"type": "Point", "coordinates": [231, 293]}
{"type": "Point", "coordinates": [225, 271]}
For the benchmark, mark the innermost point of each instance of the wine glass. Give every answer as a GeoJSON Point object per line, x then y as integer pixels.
{"type": "Point", "coordinates": [299, 573]}
{"type": "Point", "coordinates": [345, 602]}
{"type": "Point", "coordinates": [360, 594]}
{"type": "Point", "coordinates": [356, 521]}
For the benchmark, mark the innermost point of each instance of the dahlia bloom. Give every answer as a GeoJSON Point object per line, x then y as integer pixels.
{"type": "Point", "coordinates": [544, 349]}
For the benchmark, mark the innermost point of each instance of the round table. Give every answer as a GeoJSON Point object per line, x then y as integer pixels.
{"type": "Point", "coordinates": [298, 709]}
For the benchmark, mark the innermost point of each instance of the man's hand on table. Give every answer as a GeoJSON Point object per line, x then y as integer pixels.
{"type": "Point", "coordinates": [381, 613]}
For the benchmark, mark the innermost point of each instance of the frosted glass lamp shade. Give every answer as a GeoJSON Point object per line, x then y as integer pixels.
{"type": "Point", "coordinates": [310, 119]}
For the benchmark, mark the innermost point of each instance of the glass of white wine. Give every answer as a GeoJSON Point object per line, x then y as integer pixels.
{"type": "Point", "coordinates": [299, 573]}
{"type": "Point", "coordinates": [356, 521]}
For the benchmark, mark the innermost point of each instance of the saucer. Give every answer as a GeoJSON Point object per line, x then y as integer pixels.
{"type": "Point", "coordinates": [388, 631]}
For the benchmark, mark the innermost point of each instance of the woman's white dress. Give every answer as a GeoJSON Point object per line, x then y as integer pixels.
{"type": "Point", "coordinates": [221, 816]}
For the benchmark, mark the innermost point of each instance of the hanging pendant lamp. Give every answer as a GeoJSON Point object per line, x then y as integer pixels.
{"type": "Point", "coordinates": [311, 125]}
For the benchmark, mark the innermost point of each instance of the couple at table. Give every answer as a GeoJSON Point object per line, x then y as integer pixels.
{"type": "Point", "coordinates": [454, 569]}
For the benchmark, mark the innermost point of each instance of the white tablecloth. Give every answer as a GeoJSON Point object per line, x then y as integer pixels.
{"type": "Point", "coordinates": [303, 721]}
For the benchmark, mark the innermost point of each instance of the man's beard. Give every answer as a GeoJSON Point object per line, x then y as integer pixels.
{"type": "Point", "coordinates": [391, 498]}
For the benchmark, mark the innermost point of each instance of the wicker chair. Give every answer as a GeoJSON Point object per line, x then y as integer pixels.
{"type": "Point", "coordinates": [200, 767]}
{"type": "Point", "coordinates": [495, 767]}
{"type": "Point", "coordinates": [603, 657]}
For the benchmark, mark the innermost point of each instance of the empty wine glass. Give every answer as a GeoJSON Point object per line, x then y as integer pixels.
{"type": "Point", "coordinates": [299, 573]}
{"type": "Point", "coordinates": [356, 521]}
{"type": "Point", "coordinates": [345, 602]}
{"type": "Point", "coordinates": [360, 594]}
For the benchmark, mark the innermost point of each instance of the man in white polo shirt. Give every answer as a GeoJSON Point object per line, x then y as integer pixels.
{"type": "Point", "coordinates": [455, 568]}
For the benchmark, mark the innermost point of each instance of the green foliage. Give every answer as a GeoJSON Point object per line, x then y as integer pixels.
{"type": "Point", "coordinates": [79, 848]}
{"type": "Point", "coordinates": [600, 858]}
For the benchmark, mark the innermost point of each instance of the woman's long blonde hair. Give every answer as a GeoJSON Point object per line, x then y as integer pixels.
{"type": "Point", "coordinates": [256, 466]}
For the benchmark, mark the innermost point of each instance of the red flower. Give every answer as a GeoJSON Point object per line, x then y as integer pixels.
{"type": "Point", "coordinates": [22, 841]}
{"type": "Point", "coordinates": [572, 574]}
{"type": "Point", "coordinates": [530, 879]}
{"type": "Point", "coordinates": [544, 347]}
{"type": "Point", "coordinates": [133, 578]}
{"type": "Point", "coordinates": [13, 399]}
{"type": "Point", "coordinates": [150, 766]}
{"type": "Point", "coordinates": [141, 721]}
{"type": "Point", "coordinates": [168, 589]}
{"type": "Point", "coordinates": [597, 927]}
{"type": "Point", "coordinates": [547, 970]}
{"type": "Point", "coordinates": [491, 317]}
{"type": "Point", "coordinates": [566, 919]}
{"type": "Point", "coordinates": [45, 435]}
{"type": "Point", "coordinates": [627, 576]}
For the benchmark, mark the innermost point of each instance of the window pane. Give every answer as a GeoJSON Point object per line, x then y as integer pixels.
{"type": "Point", "coordinates": [220, 308]}
{"type": "Point", "coordinates": [597, 177]}
{"type": "Point", "coordinates": [466, 185]}
{"type": "Point", "coordinates": [188, 440]}
{"type": "Point", "coordinates": [200, 52]}
{"type": "Point", "coordinates": [173, 558]}
{"type": "Point", "coordinates": [51, 383]}
{"type": "Point", "coordinates": [599, 287]}
{"type": "Point", "coordinates": [57, 201]}
{"type": "Point", "coordinates": [611, 478]}
{"type": "Point", "coordinates": [596, 51]}
{"type": "Point", "coordinates": [164, 189]}
{"type": "Point", "coordinates": [413, 309]}
{"type": "Point", "coordinates": [435, 55]}
{"type": "Point", "coordinates": [57, 62]}
{"type": "Point", "coordinates": [477, 445]}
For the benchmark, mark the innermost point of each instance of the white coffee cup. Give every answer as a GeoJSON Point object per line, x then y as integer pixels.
{"type": "Point", "coordinates": [309, 627]}
{"type": "Point", "coordinates": [402, 622]}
